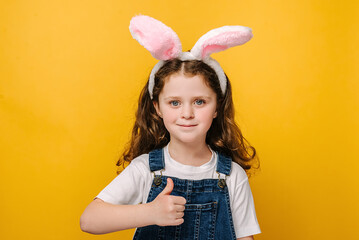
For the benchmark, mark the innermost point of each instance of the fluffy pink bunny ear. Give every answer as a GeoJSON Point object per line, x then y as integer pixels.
{"type": "Point", "coordinates": [162, 42]}
{"type": "Point", "coordinates": [220, 39]}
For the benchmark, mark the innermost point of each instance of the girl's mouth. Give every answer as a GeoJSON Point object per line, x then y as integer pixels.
{"type": "Point", "coordinates": [187, 125]}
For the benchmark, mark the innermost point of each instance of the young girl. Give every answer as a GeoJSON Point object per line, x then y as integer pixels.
{"type": "Point", "coordinates": [188, 159]}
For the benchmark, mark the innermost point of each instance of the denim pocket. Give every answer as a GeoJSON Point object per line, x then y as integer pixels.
{"type": "Point", "coordinates": [199, 221]}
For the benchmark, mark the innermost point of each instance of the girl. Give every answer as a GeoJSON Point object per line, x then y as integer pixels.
{"type": "Point", "coordinates": [188, 159]}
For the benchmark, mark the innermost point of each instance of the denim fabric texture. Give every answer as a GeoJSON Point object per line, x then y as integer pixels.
{"type": "Point", "coordinates": [207, 212]}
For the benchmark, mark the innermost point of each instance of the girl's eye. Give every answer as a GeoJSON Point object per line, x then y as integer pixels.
{"type": "Point", "coordinates": [199, 102]}
{"type": "Point", "coordinates": [174, 103]}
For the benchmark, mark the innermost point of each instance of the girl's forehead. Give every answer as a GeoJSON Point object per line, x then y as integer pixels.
{"type": "Point", "coordinates": [186, 84]}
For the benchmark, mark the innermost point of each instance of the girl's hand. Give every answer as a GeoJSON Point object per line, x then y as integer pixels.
{"type": "Point", "coordinates": [167, 209]}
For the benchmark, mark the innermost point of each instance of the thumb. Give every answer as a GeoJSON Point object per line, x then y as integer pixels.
{"type": "Point", "coordinates": [169, 187]}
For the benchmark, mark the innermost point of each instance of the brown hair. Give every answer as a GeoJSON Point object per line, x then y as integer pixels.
{"type": "Point", "coordinates": [224, 135]}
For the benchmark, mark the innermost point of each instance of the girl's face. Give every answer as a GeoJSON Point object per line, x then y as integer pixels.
{"type": "Point", "coordinates": [187, 106]}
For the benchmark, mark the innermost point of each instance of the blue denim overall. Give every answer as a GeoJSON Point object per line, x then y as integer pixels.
{"type": "Point", "coordinates": [207, 212]}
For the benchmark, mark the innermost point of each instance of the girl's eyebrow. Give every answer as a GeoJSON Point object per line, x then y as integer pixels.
{"type": "Point", "coordinates": [171, 97]}
{"type": "Point", "coordinates": [178, 97]}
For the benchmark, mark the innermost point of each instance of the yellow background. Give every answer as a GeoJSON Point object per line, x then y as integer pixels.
{"type": "Point", "coordinates": [70, 75]}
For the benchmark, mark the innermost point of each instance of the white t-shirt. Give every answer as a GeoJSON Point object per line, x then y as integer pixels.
{"type": "Point", "coordinates": [133, 185]}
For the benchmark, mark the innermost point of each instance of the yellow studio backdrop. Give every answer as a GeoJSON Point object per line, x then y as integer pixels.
{"type": "Point", "coordinates": [70, 76]}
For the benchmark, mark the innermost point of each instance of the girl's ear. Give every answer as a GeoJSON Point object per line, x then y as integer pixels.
{"type": "Point", "coordinates": [157, 107]}
{"type": "Point", "coordinates": [215, 115]}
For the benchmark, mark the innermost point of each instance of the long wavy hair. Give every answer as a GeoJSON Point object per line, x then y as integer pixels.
{"type": "Point", "coordinates": [224, 135]}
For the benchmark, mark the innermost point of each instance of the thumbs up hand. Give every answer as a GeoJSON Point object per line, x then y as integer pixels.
{"type": "Point", "coordinates": [167, 209]}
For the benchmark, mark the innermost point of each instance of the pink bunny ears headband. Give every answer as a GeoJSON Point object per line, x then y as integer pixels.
{"type": "Point", "coordinates": [163, 44]}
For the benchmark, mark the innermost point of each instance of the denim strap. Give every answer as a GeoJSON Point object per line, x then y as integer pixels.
{"type": "Point", "coordinates": [156, 160]}
{"type": "Point", "coordinates": [224, 164]}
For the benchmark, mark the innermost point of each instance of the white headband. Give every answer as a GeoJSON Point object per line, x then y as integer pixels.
{"type": "Point", "coordinates": [163, 43]}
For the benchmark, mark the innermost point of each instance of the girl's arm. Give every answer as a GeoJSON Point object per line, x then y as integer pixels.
{"type": "Point", "coordinates": [100, 217]}
{"type": "Point", "coordinates": [246, 238]}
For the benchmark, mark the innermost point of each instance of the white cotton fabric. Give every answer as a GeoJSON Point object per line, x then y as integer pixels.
{"type": "Point", "coordinates": [132, 186]}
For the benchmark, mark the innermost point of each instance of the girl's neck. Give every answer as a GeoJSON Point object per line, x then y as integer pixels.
{"type": "Point", "coordinates": [190, 154]}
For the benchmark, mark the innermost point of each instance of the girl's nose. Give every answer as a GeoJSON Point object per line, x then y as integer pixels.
{"type": "Point", "coordinates": [187, 112]}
